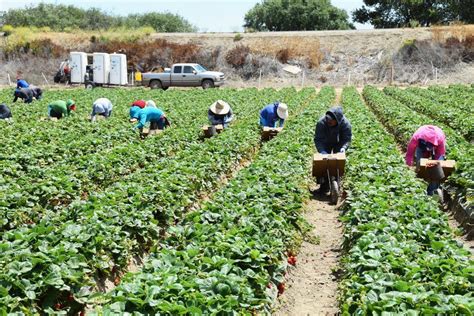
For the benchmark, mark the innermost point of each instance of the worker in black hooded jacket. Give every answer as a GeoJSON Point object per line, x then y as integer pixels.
{"type": "Point", "coordinates": [5, 112]}
{"type": "Point", "coordinates": [26, 94]}
{"type": "Point", "coordinates": [333, 135]}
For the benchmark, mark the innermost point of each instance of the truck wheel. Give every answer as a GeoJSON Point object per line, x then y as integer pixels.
{"type": "Point", "coordinates": [156, 84]}
{"type": "Point", "coordinates": [90, 85]}
{"type": "Point", "coordinates": [206, 84]}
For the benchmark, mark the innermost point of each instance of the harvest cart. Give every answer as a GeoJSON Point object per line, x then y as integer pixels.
{"type": "Point", "coordinates": [269, 132]}
{"type": "Point", "coordinates": [212, 130]}
{"type": "Point", "coordinates": [435, 171]}
{"type": "Point", "coordinates": [332, 167]}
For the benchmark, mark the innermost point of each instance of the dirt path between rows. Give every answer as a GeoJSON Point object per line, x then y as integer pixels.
{"type": "Point", "coordinates": [312, 285]}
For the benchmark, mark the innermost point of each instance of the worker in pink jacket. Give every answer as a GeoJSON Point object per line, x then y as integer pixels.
{"type": "Point", "coordinates": [428, 142]}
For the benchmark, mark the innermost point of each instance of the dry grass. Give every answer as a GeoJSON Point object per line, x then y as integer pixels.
{"type": "Point", "coordinates": [307, 48]}
{"type": "Point", "coordinates": [458, 31]}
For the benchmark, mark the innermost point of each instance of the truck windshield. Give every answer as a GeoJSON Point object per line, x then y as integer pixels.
{"type": "Point", "coordinates": [200, 68]}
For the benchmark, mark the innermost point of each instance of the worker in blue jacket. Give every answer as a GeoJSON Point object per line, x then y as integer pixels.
{"type": "Point", "coordinates": [21, 83]}
{"type": "Point", "coordinates": [155, 116]}
{"type": "Point", "coordinates": [274, 114]}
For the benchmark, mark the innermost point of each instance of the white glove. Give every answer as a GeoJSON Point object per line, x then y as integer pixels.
{"type": "Point", "coordinates": [343, 150]}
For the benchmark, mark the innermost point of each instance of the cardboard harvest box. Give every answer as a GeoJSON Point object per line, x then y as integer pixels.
{"type": "Point", "coordinates": [207, 132]}
{"type": "Point", "coordinates": [447, 165]}
{"type": "Point", "coordinates": [331, 162]}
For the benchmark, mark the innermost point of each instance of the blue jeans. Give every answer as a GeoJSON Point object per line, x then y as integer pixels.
{"type": "Point", "coordinates": [432, 186]}
{"type": "Point", "coordinates": [158, 124]}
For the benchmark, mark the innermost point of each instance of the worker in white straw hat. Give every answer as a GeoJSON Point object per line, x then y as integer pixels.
{"type": "Point", "coordinates": [220, 113]}
{"type": "Point", "coordinates": [274, 114]}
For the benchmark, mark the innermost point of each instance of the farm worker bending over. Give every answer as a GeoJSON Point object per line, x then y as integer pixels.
{"type": "Point", "coordinates": [220, 113]}
{"type": "Point", "coordinates": [333, 134]}
{"type": "Point", "coordinates": [273, 115]}
{"type": "Point", "coordinates": [155, 116]}
{"type": "Point", "coordinates": [141, 104]}
{"type": "Point", "coordinates": [428, 142]}
{"type": "Point", "coordinates": [37, 92]}
{"type": "Point", "coordinates": [5, 112]}
{"type": "Point", "coordinates": [150, 103]}
{"type": "Point", "coordinates": [21, 83]}
{"type": "Point", "coordinates": [26, 94]}
{"type": "Point", "coordinates": [101, 106]}
{"type": "Point", "coordinates": [59, 108]}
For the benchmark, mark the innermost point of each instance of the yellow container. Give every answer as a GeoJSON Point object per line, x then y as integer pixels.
{"type": "Point", "coordinates": [138, 76]}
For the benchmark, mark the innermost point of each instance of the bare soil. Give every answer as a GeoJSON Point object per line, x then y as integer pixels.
{"type": "Point", "coordinates": [313, 283]}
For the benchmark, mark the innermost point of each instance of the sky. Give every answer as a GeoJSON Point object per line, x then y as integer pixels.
{"type": "Point", "coordinates": [206, 15]}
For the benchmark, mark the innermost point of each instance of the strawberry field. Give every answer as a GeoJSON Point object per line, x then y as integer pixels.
{"type": "Point", "coordinates": [96, 220]}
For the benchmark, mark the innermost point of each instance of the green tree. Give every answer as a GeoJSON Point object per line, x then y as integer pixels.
{"type": "Point", "coordinates": [389, 14]}
{"type": "Point", "coordinates": [59, 17]}
{"type": "Point", "coordinates": [296, 15]}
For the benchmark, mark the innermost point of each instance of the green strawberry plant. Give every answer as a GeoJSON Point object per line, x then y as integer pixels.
{"type": "Point", "coordinates": [400, 256]}
{"type": "Point", "coordinates": [403, 122]}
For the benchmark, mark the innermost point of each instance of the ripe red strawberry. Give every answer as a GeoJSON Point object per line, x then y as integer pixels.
{"type": "Point", "coordinates": [281, 288]}
{"type": "Point", "coordinates": [292, 260]}
{"type": "Point", "coordinates": [117, 281]}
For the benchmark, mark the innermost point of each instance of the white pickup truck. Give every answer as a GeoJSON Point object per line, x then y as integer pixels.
{"type": "Point", "coordinates": [183, 75]}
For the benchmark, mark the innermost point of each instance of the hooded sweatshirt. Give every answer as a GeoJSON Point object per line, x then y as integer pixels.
{"type": "Point", "coordinates": [428, 133]}
{"type": "Point", "coordinates": [102, 106]}
{"type": "Point", "coordinates": [5, 112]}
{"type": "Point", "coordinates": [148, 114]}
{"type": "Point", "coordinates": [334, 138]}
{"type": "Point", "coordinates": [25, 94]}
{"type": "Point", "coordinates": [269, 116]}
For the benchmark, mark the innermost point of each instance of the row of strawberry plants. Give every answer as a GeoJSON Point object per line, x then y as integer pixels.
{"type": "Point", "coordinates": [454, 98]}
{"type": "Point", "coordinates": [60, 256]}
{"type": "Point", "coordinates": [458, 120]}
{"type": "Point", "coordinates": [27, 196]}
{"type": "Point", "coordinates": [403, 122]}
{"type": "Point", "coordinates": [229, 257]}
{"type": "Point", "coordinates": [77, 145]}
{"type": "Point", "coordinates": [401, 257]}
{"type": "Point", "coordinates": [456, 95]}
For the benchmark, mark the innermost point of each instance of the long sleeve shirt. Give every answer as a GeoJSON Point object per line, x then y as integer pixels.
{"type": "Point", "coordinates": [216, 119]}
{"type": "Point", "coordinates": [428, 133]}
{"type": "Point", "coordinates": [20, 83]}
{"type": "Point", "coordinates": [25, 94]}
{"type": "Point", "coordinates": [148, 114]}
{"type": "Point", "coordinates": [333, 137]}
{"type": "Point", "coordinates": [101, 106]}
{"type": "Point", "coordinates": [269, 116]}
{"type": "Point", "coordinates": [58, 107]}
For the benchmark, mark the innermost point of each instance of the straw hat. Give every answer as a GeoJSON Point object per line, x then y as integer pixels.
{"type": "Point", "coordinates": [220, 107]}
{"type": "Point", "coordinates": [282, 111]}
